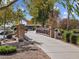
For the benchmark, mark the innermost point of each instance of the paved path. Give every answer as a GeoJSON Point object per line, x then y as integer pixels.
{"type": "Point", "coordinates": [55, 49]}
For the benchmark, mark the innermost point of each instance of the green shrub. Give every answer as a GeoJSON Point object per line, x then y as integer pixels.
{"type": "Point", "coordinates": [67, 35]}
{"type": "Point", "coordinates": [76, 31]}
{"type": "Point", "coordinates": [64, 36]}
{"type": "Point", "coordinates": [74, 39]}
{"type": "Point", "coordinates": [78, 40]}
{"type": "Point", "coordinates": [7, 49]}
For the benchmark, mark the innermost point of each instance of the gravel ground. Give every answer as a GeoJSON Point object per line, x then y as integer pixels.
{"type": "Point", "coordinates": [31, 53]}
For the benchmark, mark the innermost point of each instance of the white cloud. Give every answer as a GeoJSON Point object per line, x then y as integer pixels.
{"type": "Point", "coordinates": [65, 13]}
{"type": "Point", "coordinates": [23, 22]}
{"type": "Point", "coordinates": [73, 13]}
{"type": "Point", "coordinates": [64, 17]}
{"type": "Point", "coordinates": [56, 8]}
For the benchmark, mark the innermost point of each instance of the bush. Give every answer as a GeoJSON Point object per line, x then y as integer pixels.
{"type": "Point", "coordinates": [76, 31]}
{"type": "Point", "coordinates": [68, 35]}
{"type": "Point", "coordinates": [71, 36]}
{"type": "Point", "coordinates": [74, 39]}
{"type": "Point", "coordinates": [62, 32]}
{"type": "Point", "coordinates": [64, 35]}
{"type": "Point", "coordinates": [7, 49]}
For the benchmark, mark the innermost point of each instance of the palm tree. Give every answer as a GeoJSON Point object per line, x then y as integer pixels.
{"type": "Point", "coordinates": [19, 16]}
{"type": "Point", "coordinates": [69, 6]}
{"type": "Point", "coordinates": [52, 21]}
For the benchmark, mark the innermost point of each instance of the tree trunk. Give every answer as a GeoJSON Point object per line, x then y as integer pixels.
{"type": "Point", "coordinates": [20, 32]}
{"type": "Point", "coordinates": [4, 23]}
{"type": "Point", "coordinates": [43, 23]}
{"type": "Point", "coordinates": [4, 29]}
{"type": "Point", "coordinates": [68, 16]}
{"type": "Point", "coordinates": [68, 22]}
{"type": "Point", "coordinates": [51, 31]}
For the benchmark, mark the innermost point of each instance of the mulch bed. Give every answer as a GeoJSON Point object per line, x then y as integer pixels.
{"type": "Point", "coordinates": [27, 52]}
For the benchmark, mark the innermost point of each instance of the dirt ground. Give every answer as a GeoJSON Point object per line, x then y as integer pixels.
{"type": "Point", "coordinates": [32, 53]}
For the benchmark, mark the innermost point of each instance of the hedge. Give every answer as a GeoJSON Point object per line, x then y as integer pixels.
{"type": "Point", "coordinates": [7, 49]}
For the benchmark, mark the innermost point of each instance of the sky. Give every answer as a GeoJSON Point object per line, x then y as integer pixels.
{"type": "Point", "coordinates": [63, 11]}
{"type": "Point", "coordinates": [20, 4]}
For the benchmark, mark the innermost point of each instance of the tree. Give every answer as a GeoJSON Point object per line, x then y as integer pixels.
{"type": "Point", "coordinates": [69, 6]}
{"type": "Point", "coordinates": [19, 16]}
{"type": "Point", "coordinates": [1, 17]}
{"type": "Point", "coordinates": [9, 4]}
{"type": "Point", "coordinates": [6, 16]}
{"type": "Point", "coordinates": [73, 23]}
{"type": "Point", "coordinates": [40, 9]}
{"type": "Point", "coordinates": [53, 21]}
{"type": "Point", "coordinates": [10, 15]}
{"type": "Point", "coordinates": [76, 8]}
{"type": "Point", "coordinates": [2, 7]}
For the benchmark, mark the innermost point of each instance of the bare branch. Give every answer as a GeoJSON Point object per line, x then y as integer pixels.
{"type": "Point", "coordinates": [8, 5]}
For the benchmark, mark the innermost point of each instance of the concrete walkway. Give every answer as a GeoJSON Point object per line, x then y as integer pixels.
{"type": "Point", "coordinates": [54, 48]}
